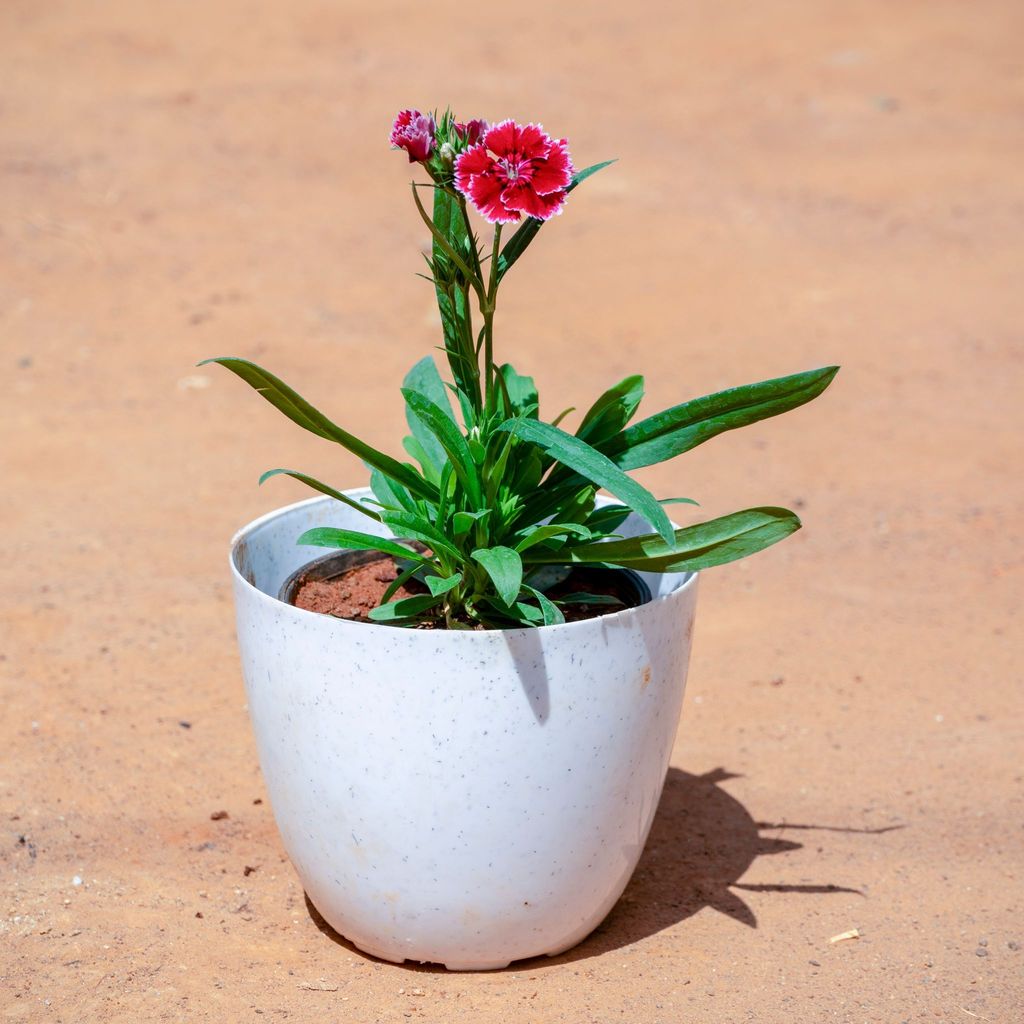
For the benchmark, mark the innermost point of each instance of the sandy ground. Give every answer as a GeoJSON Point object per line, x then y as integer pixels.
{"type": "Point", "coordinates": [799, 184]}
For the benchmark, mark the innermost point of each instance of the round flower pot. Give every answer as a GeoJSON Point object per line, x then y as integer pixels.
{"type": "Point", "coordinates": [467, 798]}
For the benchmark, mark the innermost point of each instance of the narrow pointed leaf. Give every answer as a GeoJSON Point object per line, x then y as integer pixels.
{"type": "Point", "coordinates": [403, 609]}
{"type": "Point", "coordinates": [388, 493]}
{"type": "Point", "coordinates": [299, 411]}
{"type": "Point", "coordinates": [594, 466]}
{"type": "Point", "coordinates": [552, 613]}
{"type": "Point", "coordinates": [685, 426]}
{"type": "Point", "coordinates": [549, 530]}
{"type": "Point", "coordinates": [693, 547]}
{"type": "Point", "coordinates": [322, 488]}
{"type": "Point", "coordinates": [430, 469]}
{"type": "Point", "coordinates": [516, 245]}
{"type": "Point", "coordinates": [399, 581]}
{"type": "Point", "coordinates": [612, 411]}
{"type": "Point", "coordinates": [451, 440]}
{"type": "Point", "coordinates": [409, 524]}
{"type": "Point", "coordinates": [424, 379]}
{"type": "Point", "coordinates": [328, 537]}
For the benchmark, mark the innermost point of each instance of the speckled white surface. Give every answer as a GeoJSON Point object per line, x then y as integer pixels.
{"type": "Point", "coordinates": [465, 798]}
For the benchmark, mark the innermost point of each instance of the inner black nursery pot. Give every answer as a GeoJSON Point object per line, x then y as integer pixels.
{"type": "Point", "coordinates": [346, 584]}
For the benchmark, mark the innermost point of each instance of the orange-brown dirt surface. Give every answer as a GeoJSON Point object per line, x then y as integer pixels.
{"type": "Point", "coordinates": [798, 184]}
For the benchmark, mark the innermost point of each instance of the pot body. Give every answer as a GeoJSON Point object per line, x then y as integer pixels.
{"type": "Point", "coordinates": [464, 798]}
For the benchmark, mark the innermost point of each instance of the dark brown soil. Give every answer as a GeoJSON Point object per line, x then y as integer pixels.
{"type": "Point", "coordinates": [353, 594]}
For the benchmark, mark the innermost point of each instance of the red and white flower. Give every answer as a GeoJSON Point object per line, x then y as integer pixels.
{"type": "Point", "coordinates": [415, 133]}
{"type": "Point", "coordinates": [515, 170]}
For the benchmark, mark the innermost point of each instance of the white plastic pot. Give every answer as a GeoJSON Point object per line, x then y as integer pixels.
{"type": "Point", "coordinates": [464, 798]}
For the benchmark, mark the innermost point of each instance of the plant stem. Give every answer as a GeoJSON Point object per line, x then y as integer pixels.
{"type": "Point", "coordinates": [488, 315]}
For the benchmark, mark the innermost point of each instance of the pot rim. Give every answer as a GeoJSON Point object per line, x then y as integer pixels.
{"type": "Point", "coordinates": [689, 582]}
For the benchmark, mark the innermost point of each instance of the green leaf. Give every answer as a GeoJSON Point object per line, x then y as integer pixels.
{"type": "Point", "coordinates": [612, 411]}
{"type": "Point", "coordinates": [451, 440]}
{"type": "Point", "coordinates": [451, 299]}
{"type": "Point", "coordinates": [328, 537]}
{"type": "Point", "coordinates": [585, 598]}
{"type": "Point", "coordinates": [693, 547]}
{"type": "Point", "coordinates": [395, 585]}
{"type": "Point", "coordinates": [607, 518]}
{"type": "Point", "coordinates": [522, 391]}
{"type": "Point", "coordinates": [463, 522]}
{"type": "Point", "coordinates": [322, 488]}
{"type": "Point", "coordinates": [580, 176]}
{"type": "Point", "coordinates": [541, 533]}
{"type": "Point", "coordinates": [424, 379]}
{"type": "Point", "coordinates": [403, 609]}
{"type": "Point", "coordinates": [390, 494]}
{"type": "Point", "coordinates": [427, 464]}
{"type": "Point", "coordinates": [552, 613]}
{"type": "Point", "coordinates": [409, 524]}
{"type": "Point", "coordinates": [685, 426]}
{"type": "Point", "coordinates": [299, 411]}
{"type": "Point", "coordinates": [528, 472]}
{"type": "Point", "coordinates": [439, 585]}
{"type": "Point", "coordinates": [505, 568]}
{"type": "Point", "coordinates": [516, 245]}
{"type": "Point", "coordinates": [591, 464]}
{"type": "Point", "coordinates": [521, 614]}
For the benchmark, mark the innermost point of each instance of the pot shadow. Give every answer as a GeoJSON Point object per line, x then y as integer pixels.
{"type": "Point", "coordinates": [702, 842]}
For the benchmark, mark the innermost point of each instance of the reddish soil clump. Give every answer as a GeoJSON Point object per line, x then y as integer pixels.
{"type": "Point", "coordinates": [353, 594]}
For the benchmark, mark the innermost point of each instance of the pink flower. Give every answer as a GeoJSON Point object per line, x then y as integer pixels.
{"type": "Point", "coordinates": [528, 172]}
{"type": "Point", "coordinates": [414, 132]}
{"type": "Point", "coordinates": [471, 131]}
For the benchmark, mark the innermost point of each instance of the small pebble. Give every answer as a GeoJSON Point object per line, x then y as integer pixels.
{"type": "Point", "coordinates": [814, 963]}
{"type": "Point", "coordinates": [982, 942]}
{"type": "Point", "coordinates": [981, 951]}
{"type": "Point", "coordinates": [76, 880]}
{"type": "Point", "coordinates": [1013, 945]}
{"type": "Point", "coordinates": [218, 815]}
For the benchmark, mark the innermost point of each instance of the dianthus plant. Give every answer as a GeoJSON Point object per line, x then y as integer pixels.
{"type": "Point", "coordinates": [500, 502]}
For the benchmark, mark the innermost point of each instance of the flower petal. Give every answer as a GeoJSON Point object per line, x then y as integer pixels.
{"type": "Point", "coordinates": [401, 121]}
{"type": "Point", "coordinates": [533, 142]}
{"type": "Point", "coordinates": [475, 160]}
{"type": "Point", "coordinates": [522, 197]}
{"type": "Point", "coordinates": [555, 172]}
{"type": "Point", "coordinates": [486, 194]}
{"type": "Point", "coordinates": [502, 137]}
